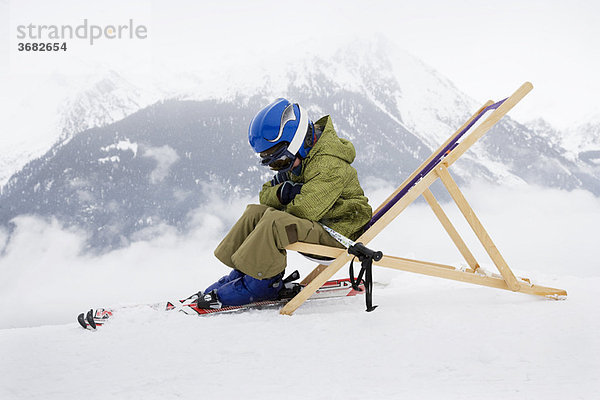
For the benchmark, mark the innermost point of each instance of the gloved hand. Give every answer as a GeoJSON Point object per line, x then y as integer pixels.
{"type": "Point", "coordinates": [287, 191]}
{"type": "Point", "coordinates": [280, 178]}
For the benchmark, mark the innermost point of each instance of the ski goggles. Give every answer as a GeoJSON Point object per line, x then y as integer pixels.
{"type": "Point", "coordinates": [278, 158]}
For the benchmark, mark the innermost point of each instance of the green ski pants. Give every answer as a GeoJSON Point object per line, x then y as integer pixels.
{"type": "Point", "coordinates": [255, 245]}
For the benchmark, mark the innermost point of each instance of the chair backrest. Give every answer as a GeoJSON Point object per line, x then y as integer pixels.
{"type": "Point", "coordinates": [431, 165]}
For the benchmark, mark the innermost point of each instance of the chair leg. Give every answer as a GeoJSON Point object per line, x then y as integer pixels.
{"type": "Point", "coordinates": [480, 232]}
{"type": "Point", "coordinates": [445, 221]}
{"type": "Point", "coordinates": [308, 279]}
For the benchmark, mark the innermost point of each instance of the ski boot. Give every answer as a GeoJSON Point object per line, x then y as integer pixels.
{"type": "Point", "coordinates": [234, 274]}
{"type": "Point", "coordinates": [246, 290]}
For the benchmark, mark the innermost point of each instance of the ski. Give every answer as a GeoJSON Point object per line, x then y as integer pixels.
{"type": "Point", "coordinates": [95, 318]}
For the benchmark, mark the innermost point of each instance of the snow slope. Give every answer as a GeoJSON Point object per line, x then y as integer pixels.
{"type": "Point", "coordinates": [429, 338]}
{"type": "Point", "coordinates": [426, 340]}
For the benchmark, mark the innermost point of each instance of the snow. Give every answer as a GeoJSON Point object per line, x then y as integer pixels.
{"type": "Point", "coordinates": [104, 160]}
{"type": "Point", "coordinates": [122, 145]}
{"type": "Point", "coordinates": [426, 340]}
{"type": "Point", "coordinates": [429, 338]}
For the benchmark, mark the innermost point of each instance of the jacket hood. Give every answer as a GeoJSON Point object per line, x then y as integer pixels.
{"type": "Point", "coordinates": [330, 144]}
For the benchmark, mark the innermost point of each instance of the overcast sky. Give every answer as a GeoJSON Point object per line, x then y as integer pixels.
{"type": "Point", "coordinates": [487, 48]}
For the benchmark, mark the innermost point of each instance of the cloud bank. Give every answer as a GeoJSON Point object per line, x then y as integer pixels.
{"type": "Point", "coordinates": [47, 277]}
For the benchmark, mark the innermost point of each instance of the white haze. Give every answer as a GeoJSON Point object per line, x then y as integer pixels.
{"type": "Point", "coordinates": [550, 43]}
{"type": "Point", "coordinates": [547, 235]}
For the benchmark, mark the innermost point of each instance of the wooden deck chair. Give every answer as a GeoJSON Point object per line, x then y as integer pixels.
{"type": "Point", "coordinates": [417, 184]}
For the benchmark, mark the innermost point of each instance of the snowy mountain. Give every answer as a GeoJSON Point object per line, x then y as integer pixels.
{"type": "Point", "coordinates": [583, 137]}
{"type": "Point", "coordinates": [579, 144]}
{"type": "Point", "coordinates": [122, 180]}
{"type": "Point", "coordinates": [586, 143]}
{"type": "Point", "coordinates": [53, 112]}
{"type": "Point", "coordinates": [545, 130]}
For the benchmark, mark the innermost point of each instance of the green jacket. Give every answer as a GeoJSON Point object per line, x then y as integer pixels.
{"type": "Point", "coordinates": [331, 193]}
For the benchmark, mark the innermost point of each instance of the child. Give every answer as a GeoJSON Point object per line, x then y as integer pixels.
{"type": "Point", "coordinates": [315, 184]}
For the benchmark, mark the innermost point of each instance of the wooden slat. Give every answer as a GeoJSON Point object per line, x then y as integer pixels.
{"type": "Point", "coordinates": [468, 277]}
{"type": "Point", "coordinates": [315, 284]}
{"type": "Point", "coordinates": [316, 249]}
{"type": "Point", "coordinates": [328, 251]}
{"type": "Point", "coordinates": [411, 176]}
{"type": "Point", "coordinates": [314, 273]}
{"type": "Point", "coordinates": [487, 124]}
{"type": "Point", "coordinates": [445, 221]}
{"type": "Point", "coordinates": [436, 270]}
{"type": "Point", "coordinates": [477, 227]}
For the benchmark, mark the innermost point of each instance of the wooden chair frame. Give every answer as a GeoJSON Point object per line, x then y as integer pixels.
{"type": "Point", "coordinates": [505, 280]}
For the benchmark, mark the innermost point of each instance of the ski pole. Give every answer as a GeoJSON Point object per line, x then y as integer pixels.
{"type": "Point", "coordinates": [366, 256]}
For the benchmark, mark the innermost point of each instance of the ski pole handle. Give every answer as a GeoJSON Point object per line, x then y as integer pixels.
{"type": "Point", "coordinates": [361, 251]}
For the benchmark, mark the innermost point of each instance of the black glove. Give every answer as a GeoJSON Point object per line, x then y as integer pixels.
{"type": "Point", "coordinates": [287, 191]}
{"type": "Point", "coordinates": [280, 178]}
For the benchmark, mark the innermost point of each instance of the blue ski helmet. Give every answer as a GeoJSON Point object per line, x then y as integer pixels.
{"type": "Point", "coordinates": [278, 133]}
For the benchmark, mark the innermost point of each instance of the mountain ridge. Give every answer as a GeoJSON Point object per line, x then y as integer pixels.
{"type": "Point", "coordinates": [156, 165]}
